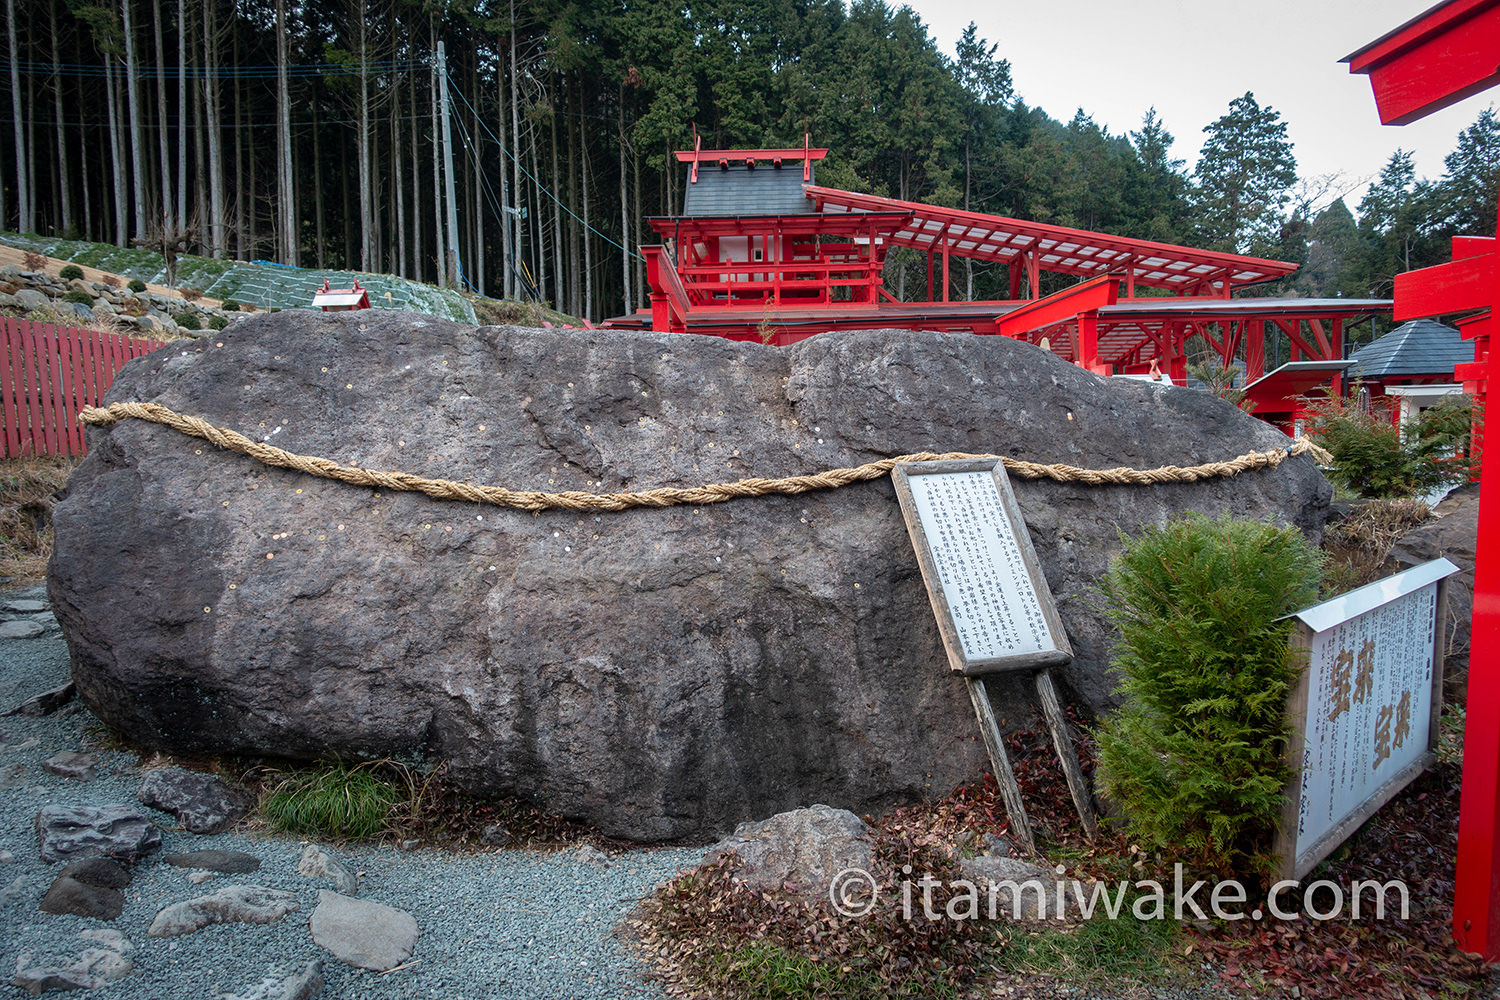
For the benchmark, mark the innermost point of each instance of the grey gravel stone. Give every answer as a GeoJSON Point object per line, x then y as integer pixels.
{"type": "Point", "coordinates": [21, 628]}
{"type": "Point", "coordinates": [202, 802]}
{"type": "Point", "coordinates": [115, 831]}
{"type": "Point", "coordinates": [224, 862]}
{"type": "Point", "coordinates": [363, 933]}
{"type": "Point", "coordinates": [807, 847]}
{"type": "Point", "coordinates": [72, 764]}
{"type": "Point", "coordinates": [246, 904]}
{"type": "Point", "coordinates": [303, 986]}
{"type": "Point", "coordinates": [318, 863]}
{"type": "Point", "coordinates": [26, 607]}
{"type": "Point", "coordinates": [46, 703]}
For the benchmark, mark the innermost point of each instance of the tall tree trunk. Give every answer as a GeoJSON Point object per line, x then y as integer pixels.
{"type": "Point", "coordinates": [163, 147]}
{"type": "Point", "coordinates": [558, 235]}
{"type": "Point", "coordinates": [588, 244]}
{"type": "Point", "coordinates": [575, 260]}
{"type": "Point", "coordinates": [217, 241]}
{"type": "Point", "coordinates": [437, 172]}
{"type": "Point", "coordinates": [640, 263]}
{"type": "Point", "coordinates": [318, 183]}
{"type": "Point", "coordinates": [366, 198]}
{"type": "Point", "coordinates": [200, 170]}
{"type": "Point", "coordinates": [137, 169]}
{"type": "Point", "coordinates": [286, 198]}
{"type": "Point", "coordinates": [416, 187]}
{"type": "Point", "coordinates": [507, 268]}
{"type": "Point", "coordinates": [515, 131]}
{"type": "Point", "coordinates": [397, 155]}
{"type": "Point", "coordinates": [624, 213]}
{"type": "Point", "coordinates": [116, 147]}
{"type": "Point", "coordinates": [25, 223]}
{"type": "Point", "coordinates": [182, 113]}
{"type": "Point", "coordinates": [64, 175]}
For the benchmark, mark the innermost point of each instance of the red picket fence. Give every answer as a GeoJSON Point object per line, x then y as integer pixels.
{"type": "Point", "coordinates": [47, 375]}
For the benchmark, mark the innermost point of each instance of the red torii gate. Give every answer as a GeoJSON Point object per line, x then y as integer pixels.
{"type": "Point", "coordinates": [1450, 52]}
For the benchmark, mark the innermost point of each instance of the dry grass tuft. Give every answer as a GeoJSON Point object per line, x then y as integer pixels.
{"type": "Point", "coordinates": [1359, 545]}
{"type": "Point", "coordinates": [29, 487]}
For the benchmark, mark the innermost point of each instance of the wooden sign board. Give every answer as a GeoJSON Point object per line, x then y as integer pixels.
{"type": "Point", "coordinates": [993, 607]}
{"type": "Point", "coordinates": [1364, 713]}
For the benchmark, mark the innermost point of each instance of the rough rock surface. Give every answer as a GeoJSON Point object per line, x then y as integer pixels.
{"type": "Point", "coordinates": [72, 764]}
{"type": "Point", "coordinates": [806, 847]}
{"type": "Point", "coordinates": [120, 832]}
{"type": "Point", "coordinates": [363, 933]}
{"type": "Point", "coordinates": [88, 888]}
{"type": "Point", "coordinates": [1452, 533]}
{"type": "Point", "coordinates": [318, 863]}
{"type": "Point", "coordinates": [660, 672]}
{"type": "Point", "coordinates": [242, 904]}
{"type": "Point", "coordinates": [96, 967]}
{"type": "Point", "coordinates": [224, 862]}
{"type": "Point", "coordinates": [202, 802]}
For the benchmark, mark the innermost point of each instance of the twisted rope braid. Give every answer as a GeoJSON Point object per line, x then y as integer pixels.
{"type": "Point", "coordinates": [446, 489]}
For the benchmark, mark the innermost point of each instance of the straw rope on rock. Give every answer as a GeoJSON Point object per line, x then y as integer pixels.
{"type": "Point", "coordinates": [446, 489]}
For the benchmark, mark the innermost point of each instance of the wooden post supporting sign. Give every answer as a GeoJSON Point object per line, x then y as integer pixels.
{"type": "Point", "coordinates": [993, 607]}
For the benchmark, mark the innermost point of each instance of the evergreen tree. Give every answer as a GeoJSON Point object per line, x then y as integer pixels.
{"type": "Point", "coordinates": [1244, 178]}
{"type": "Point", "coordinates": [1471, 182]}
{"type": "Point", "coordinates": [1155, 187]}
{"type": "Point", "coordinates": [1334, 256]}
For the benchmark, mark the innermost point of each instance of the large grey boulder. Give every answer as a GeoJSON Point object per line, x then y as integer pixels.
{"type": "Point", "coordinates": [660, 672]}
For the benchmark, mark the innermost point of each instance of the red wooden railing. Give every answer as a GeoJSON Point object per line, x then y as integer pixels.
{"type": "Point", "coordinates": [47, 374]}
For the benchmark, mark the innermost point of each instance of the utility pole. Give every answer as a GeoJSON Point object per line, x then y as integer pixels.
{"type": "Point", "coordinates": [450, 266]}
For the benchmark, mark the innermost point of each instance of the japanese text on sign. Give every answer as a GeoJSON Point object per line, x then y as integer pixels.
{"type": "Point", "coordinates": [984, 577]}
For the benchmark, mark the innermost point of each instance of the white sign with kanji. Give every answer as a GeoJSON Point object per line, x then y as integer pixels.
{"type": "Point", "coordinates": [992, 604]}
{"type": "Point", "coordinates": [1372, 675]}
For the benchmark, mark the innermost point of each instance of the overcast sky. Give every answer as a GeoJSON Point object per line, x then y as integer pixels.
{"type": "Point", "coordinates": [1190, 58]}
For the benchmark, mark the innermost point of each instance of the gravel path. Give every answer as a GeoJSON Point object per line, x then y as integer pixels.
{"type": "Point", "coordinates": [508, 924]}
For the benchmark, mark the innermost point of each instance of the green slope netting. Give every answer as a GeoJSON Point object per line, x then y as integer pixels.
{"type": "Point", "coordinates": [267, 286]}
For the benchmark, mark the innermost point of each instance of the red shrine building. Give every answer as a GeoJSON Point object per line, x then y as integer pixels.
{"type": "Point", "coordinates": [763, 252]}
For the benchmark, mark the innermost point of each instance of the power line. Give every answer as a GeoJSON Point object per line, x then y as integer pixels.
{"type": "Point", "coordinates": [120, 72]}
{"type": "Point", "coordinates": [540, 186]}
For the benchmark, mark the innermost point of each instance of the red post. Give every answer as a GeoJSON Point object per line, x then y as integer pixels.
{"type": "Point", "coordinates": [1476, 894]}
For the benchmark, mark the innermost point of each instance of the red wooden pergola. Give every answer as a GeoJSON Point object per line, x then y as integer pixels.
{"type": "Point", "coordinates": [762, 252]}
{"type": "Point", "coordinates": [1438, 58]}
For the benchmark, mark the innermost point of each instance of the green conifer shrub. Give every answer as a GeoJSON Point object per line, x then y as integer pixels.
{"type": "Point", "coordinates": [1194, 755]}
{"type": "Point", "coordinates": [69, 272]}
{"type": "Point", "coordinates": [81, 297]}
{"type": "Point", "coordinates": [189, 321]}
{"type": "Point", "coordinates": [217, 322]}
{"type": "Point", "coordinates": [1373, 458]}
{"type": "Point", "coordinates": [136, 285]}
{"type": "Point", "coordinates": [229, 305]}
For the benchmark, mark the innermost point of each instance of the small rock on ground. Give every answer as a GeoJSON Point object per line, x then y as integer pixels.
{"type": "Point", "coordinates": [363, 933]}
{"type": "Point", "coordinates": [88, 888]}
{"type": "Point", "coordinates": [303, 986]}
{"type": "Point", "coordinates": [246, 904]}
{"type": "Point", "coordinates": [71, 764]}
{"type": "Point", "coordinates": [115, 831]}
{"type": "Point", "coordinates": [224, 862]}
{"type": "Point", "coordinates": [22, 628]}
{"type": "Point", "coordinates": [318, 863]}
{"type": "Point", "coordinates": [202, 802]}
{"type": "Point", "coordinates": [807, 847]}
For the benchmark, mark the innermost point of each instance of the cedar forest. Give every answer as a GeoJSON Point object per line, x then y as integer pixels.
{"type": "Point", "coordinates": [308, 134]}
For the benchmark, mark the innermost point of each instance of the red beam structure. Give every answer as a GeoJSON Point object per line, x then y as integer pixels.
{"type": "Point", "coordinates": [763, 252]}
{"type": "Point", "coordinates": [1436, 59]}
{"type": "Point", "coordinates": [1446, 54]}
